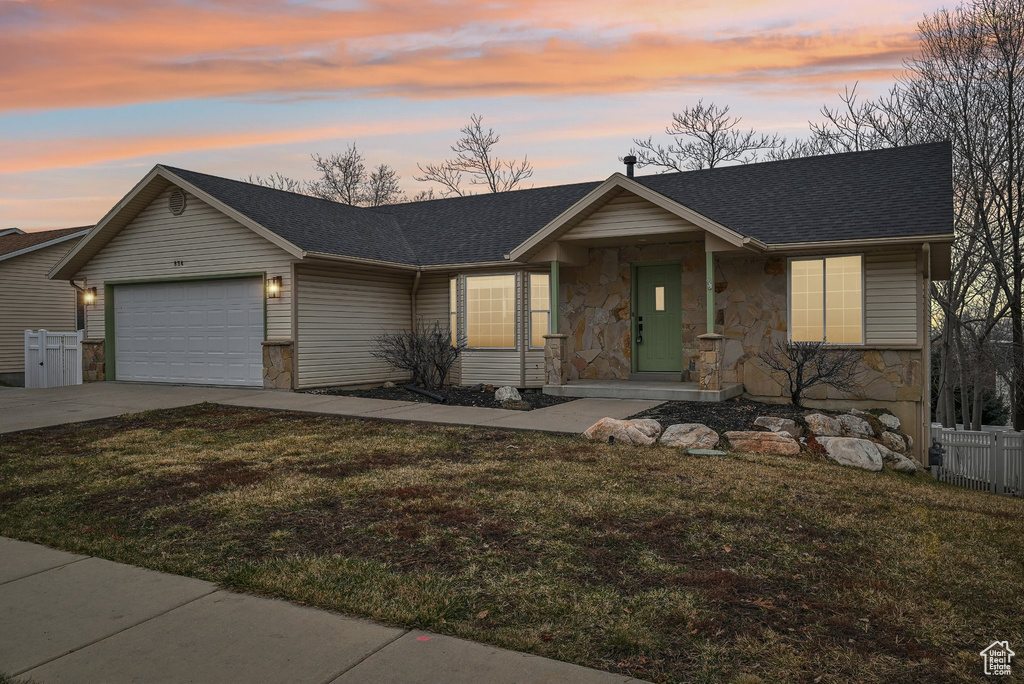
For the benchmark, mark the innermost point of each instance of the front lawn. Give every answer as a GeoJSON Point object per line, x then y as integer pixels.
{"type": "Point", "coordinates": [635, 560]}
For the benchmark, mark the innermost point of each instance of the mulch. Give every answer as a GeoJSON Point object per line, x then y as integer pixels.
{"type": "Point", "coordinates": [475, 395]}
{"type": "Point", "coordinates": [735, 414]}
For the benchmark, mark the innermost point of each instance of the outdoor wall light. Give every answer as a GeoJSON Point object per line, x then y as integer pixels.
{"type": "Point", "coordinates": [89, 295]}
{"type": "Point", "coordinates": [274, 287]}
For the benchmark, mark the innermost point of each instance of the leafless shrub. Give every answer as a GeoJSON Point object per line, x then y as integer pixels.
{"type": "Point", "coordinates": [808, 364]}
{"type": "Point", "coordinates": [426, 352]}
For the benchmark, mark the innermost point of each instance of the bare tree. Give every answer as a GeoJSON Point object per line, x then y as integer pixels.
{"type": "Point", "coordinates": [424, 195]}
{"type": "Point", "coordinates": [426, 352]}
{"type": "Point", "coordinates": [809, 364]}
{"type": "Point", "coordinates": [474, 158]}
{"type": "Point", "coordinates": [969, 79]}
{"type": "Point", "coordinates": [278, 182]}
{"type": "Point", "coordinates": [343, 178]}
{"type": "Point", "coordinates": [704, 136]}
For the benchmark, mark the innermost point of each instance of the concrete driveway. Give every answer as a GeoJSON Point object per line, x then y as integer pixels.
{"type": "Point", "coordinates": [25, 409]}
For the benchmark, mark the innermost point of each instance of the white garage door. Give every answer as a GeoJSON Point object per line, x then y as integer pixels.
{"type": "Point", "coordinates": [201, 331]}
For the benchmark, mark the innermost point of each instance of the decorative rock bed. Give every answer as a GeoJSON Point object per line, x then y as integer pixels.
{"type": "Point", "coordinates": [857, 439]}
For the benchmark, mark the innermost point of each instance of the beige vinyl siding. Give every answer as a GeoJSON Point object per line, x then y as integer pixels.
{"type": "Point", "coordinates": [891, 299]}
{"type": "Point", "coordinates": [432, 301]}
{"type": "Point", "coordinates": [340, 311]}
{"type": "Point", "coordinates": [491, 366]}
{"type": "Point", "coordinates": [29, 301]}
{"type": "Point", "coordinates": [208, 243]}
{"type": "Point", "coordinates": [534, 368]}
{"type": "Point", "coordinates": [627, 215]}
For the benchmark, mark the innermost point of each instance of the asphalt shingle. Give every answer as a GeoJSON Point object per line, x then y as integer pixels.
{"type": "Point", "coordinates": [874, 194]}
{"type": "Point", "coordinates": [15, 242]}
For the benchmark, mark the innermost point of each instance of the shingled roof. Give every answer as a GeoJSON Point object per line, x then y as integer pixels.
{"type": "Point", "coordinates": [17, 242]}
{"type": "Point", "coordinates": [896, 192]}
{"type": "Point", "coordinates": [310, 223]}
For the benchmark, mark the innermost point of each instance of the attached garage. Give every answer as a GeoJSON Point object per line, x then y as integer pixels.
{"type": "Point", "coordinates": [196, 331]}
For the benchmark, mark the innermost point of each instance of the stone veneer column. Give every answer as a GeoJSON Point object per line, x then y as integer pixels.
{"type": "Point", "coordinates": [556, 360]}
{"type": "Point", "coordinates": [277, 364]}
{"type": "Point", "coordinates": [711, 345]}
{"type": "Point", "coordinates": [94, 362]}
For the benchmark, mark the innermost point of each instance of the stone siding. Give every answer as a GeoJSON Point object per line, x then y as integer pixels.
{"type": "Point", "coordinates": [596, 312]}
{"type": "Point", "coordinates": [751, 313]}
{"type": "Point", "coordinates": [277, 364]}
{"type": "Point", "coordinates": [94, 362]}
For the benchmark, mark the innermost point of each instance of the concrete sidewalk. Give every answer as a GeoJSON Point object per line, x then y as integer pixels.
{"type": "Point", "coordinates": [24, 409]}
{"type": "Point", "coordinates": [71, 618]}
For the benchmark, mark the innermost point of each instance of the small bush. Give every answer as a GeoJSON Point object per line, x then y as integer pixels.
{"type": "Point", "coordinates": [426, 352]}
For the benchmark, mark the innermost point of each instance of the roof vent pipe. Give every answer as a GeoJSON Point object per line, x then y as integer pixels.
{"type": "Point", "coordinates": [629, 160]}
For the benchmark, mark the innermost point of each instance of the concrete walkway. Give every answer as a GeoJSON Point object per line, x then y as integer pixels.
{"type": "Point", "coordinates": [71, 618]}
{"type": "Point", "coordinates": [25, 409]}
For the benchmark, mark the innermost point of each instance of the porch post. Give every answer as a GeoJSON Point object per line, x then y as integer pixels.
{"type": "Point", "coordinates": [709, 269]}
{"type": "Point", "coordinates": [553, 323]}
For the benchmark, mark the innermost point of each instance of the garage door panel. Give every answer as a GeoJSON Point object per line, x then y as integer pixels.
{"type": "Point", "coordinates": [206, 332]}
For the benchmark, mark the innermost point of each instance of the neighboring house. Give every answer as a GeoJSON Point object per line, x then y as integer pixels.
{"type": "Point", "coordinates": [28, 299]}
{"type": "Point", "coordinates": [208, 280]}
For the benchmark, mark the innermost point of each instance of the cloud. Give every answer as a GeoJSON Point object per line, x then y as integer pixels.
{"type": "Point", "coordinates": [126, 54]}
{"type": "Point", "coordinates": [35, 155]}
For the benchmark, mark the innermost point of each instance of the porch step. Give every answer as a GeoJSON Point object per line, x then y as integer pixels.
{"type": "Point", "coordinates": [658, 391]}
{"type": "Point", "coordinates": [656, 376]}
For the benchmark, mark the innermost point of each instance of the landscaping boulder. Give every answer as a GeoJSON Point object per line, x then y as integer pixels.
{"type": "Point", "coordinates": [690, 436]}
{"type": "Point", "coordinates": [890, 421]}
{"type": "Point", "coordinates": [823, 426]}
{"type": "Point", "coordinates": [506, 394]}
{"type": "Point", "coordinates": [854, 426]}
{"type": "Point", "coordinates": [784, 425]}
{"type": "Point", "coordinates": [388, 385]}
{"type": "Point", "coordinates": [897, 462]}
{"type": "Point", "coordinates": [763, 442]}
{"type": "Point", "coordinates": [854, 452]}
{"type": "Point", "coordinates": [894, 441]}
{"type": "Point", "coordinates": [643, 432]}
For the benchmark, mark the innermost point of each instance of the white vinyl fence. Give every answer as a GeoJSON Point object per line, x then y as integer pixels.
{"type": "Point", "coordinates": [984, 461]}
{"type": "Point", "coordinates": [53, 359]}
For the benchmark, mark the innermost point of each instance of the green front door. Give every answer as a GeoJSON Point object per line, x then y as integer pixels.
{"type": "Point", "coordinates": [659, 318]}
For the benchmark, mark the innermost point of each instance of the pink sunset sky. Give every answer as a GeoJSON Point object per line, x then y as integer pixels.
{"type": "Point", "coordinates": [97, 91]}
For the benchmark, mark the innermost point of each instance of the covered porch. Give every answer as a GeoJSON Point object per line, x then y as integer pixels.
{"type": "Point", "coordinates": [653, 302]}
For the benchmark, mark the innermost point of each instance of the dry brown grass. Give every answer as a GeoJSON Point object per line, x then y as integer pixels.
{"type": "Point", "coordinates": [639, 561]}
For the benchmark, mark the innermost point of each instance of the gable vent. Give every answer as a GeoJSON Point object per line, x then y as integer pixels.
{"type": "Point", "coordinates": [176, 202]}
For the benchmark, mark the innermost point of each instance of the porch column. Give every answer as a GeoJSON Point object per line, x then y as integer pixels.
{"type": "Point", "coordinates": [556, 362]}
{"type": "Point", "coordinates": [711, 361]}
{"type": "Point", "coordinates": [709, 269]}
{"type": "Point", "coordinates": [553, 322]}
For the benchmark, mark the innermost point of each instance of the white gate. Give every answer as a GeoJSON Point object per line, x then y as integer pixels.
{"type": "Point", "coordinates": [53, 359]}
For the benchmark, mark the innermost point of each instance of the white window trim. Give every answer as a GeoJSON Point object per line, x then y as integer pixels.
{"type": "Point", "coordinates": [529, 306]}
{"type": "Point", "coordinates": [463, 317]}
{"type": "Point", "coordinates": [824, 309]}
